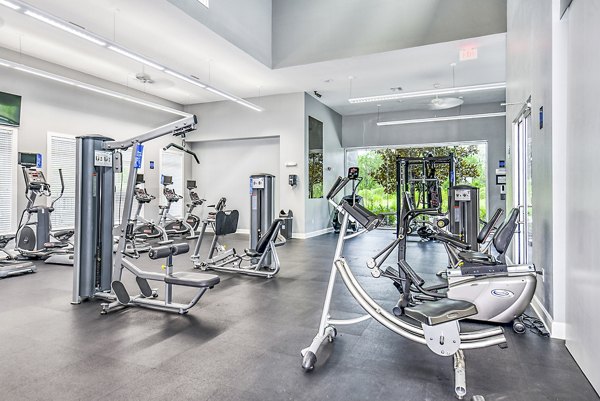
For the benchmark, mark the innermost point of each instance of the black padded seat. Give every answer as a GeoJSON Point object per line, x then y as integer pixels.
{"type": "Point", "coordinates": [450, 239]}
{"type": "Point", "coordinates": [198, 280]}
{"type": "Point", "coordinates": [60, 233]}
{"type": "Point", "coordinates": [441, 311]}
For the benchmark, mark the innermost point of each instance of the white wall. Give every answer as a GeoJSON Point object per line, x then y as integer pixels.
{"type": "Point", "coordinates": [51, 106]}
{"type": "Point", "coordinates": [310, 31]}
{"type": "Point", "coordinates": [225, 168]}
{"type": "Point", "coordinates": [582, 190]}
{"type": "Point", "coordinates": [283, 117]}
{"type": "Point", "coordinates": [318, 210]}
{"type": "Point", "coordinates": [246, 24]}
{"type": "Point", "coordinates": [529, 73]}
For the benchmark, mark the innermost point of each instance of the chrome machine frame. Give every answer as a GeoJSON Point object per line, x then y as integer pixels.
{"type": "Point", "coordinates": [444, 339]}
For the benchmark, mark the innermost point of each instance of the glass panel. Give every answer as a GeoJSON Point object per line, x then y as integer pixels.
{"type": "Point", "coordinates": [529, 191]}
{"type": "Point", "coordinates": [315, 158]}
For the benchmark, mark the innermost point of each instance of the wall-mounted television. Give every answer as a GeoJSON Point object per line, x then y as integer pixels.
{"type": "Point", "coordinates": [10, 109]}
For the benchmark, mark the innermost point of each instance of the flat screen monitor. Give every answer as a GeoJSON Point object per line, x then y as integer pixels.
{"type": "Point", "coordinates": [191, 184]}
{"type": "Point", "coordinates": [28, 159]}
{"type": "Point", "coordinates": [166, 180]}
{"type": "Point", "coordinates": [10, 109]}
{"type": "Point", "coordinates": [139, 179]}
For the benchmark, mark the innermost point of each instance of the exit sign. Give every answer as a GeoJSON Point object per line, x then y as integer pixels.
{"type": "Point", "coordinates": [468, 53]}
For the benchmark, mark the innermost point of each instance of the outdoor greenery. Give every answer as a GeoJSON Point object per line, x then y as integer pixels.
{"type": "Point", "coordinates": [378, 169]}
{"type": "Point", "coordinates": [315, 175]}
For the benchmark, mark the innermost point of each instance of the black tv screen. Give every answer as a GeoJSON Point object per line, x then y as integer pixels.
{"type": "Point", "coordinates": [10, 109]}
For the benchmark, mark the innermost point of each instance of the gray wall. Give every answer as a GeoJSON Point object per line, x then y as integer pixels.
{"type": "Point", "coordinates": [529, 73]}
{"type": "Point", "coordinates": [309, 31]}
{"type": "Point", "coordinates": [282, 118]}
{"type": "Point", "coordinates": [246, 24]}
{"type": "Point", "coordinates": [582, 190]}
{"type": "Point", "coordinates": [51, 106]}
{"type": "Point", "coordinates": [362, 131]}
{"type": "Point", "coordinates": [317, 210]}
{"type": "Point", "coordinates": [225, 168]}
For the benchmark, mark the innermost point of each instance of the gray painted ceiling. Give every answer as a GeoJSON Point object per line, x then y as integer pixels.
{"type": "Point", "coordinates": [164, 33]}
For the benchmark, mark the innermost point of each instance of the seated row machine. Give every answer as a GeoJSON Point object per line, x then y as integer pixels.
{"type": "Point", "coordinates": [97, 274]}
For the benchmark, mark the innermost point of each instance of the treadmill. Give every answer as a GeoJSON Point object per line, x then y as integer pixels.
{"type": "Point", "coordinates": [10, 267]}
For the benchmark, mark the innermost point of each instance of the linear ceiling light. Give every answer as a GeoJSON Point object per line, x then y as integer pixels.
{"type": "Point", "coordinates": [92, 88]}
{"type": "Point", "coordinates": [136, 57]}
{"type": "Point", "coordinates": [64, 27]}
{"type": "Point", "coordinates": [10, 5]}
{"type": "Point", "coordinates": [437, 119]}
{"type": "Point", "coordinates": [427, 93]}
{"type": "Point", "coordinates": [76, 30]}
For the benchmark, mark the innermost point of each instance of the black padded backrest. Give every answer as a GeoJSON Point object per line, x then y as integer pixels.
{"type": "Point", "coordinates": [226, 222]}
{"type": "Point", "coordinates": [487, 228]}
{"type": "Point", "coordinates": [270, 235]}
{"type": "Point", "coordinates": [505, 233]}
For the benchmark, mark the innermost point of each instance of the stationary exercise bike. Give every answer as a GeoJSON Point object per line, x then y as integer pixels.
{"type": "Point", "coordinates": [192, 219]}
{"type": "Point", "coordinates": [35, 238]}
{"type": "Point", "coordinates": [353, 176]}
{"type": "Point", "coordinates": [172, 225]}
{"type": "Point", "coordinates": [500, 292]}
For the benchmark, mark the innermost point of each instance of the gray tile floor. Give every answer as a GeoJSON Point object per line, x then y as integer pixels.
{"type": "Point", "coordinates": [242, 342]}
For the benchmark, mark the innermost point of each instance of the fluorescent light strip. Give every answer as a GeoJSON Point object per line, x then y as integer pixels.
{"type": "Point", "coordinates": [437, 119]}
{"type": "Point", "coordinates": [92, 88]}
{"type": "Point", "coordinates": [10, 5]}
{"type": "Point", "coordinates": [184, 78]}
{"type": "Point", "coordinates": [50, 19]}
{"type": "Point", "coordinates": [64, 27]}
{"type": "Point", "coordinates": [433, 92]}
{"type": "Point", "coordinates": [136, 57]}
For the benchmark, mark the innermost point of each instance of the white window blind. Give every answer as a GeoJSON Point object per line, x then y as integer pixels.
{"type": "Point", "coordinates": [61, 155]}
{"type": "Point", "coordinates": [8, 184]}
{"type": "Point", "coordinates": [172, 164]}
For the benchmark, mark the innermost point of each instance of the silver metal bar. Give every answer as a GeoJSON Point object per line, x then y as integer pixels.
{"type": "Point", "coordinates": [76, 299]}
{"type": "Point", "coordinates": [180, 126]}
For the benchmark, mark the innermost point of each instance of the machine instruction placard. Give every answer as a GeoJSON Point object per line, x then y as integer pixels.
{"type": "Point", "coordinates": [103, 158]}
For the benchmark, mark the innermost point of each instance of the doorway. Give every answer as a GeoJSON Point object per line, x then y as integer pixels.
{"type": "Point", "coordinates": [523, 250]}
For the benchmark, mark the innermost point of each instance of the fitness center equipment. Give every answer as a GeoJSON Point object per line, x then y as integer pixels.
{"type": "Point", "coordinates": [463, 211]}
{"type": "Point", "coordinates": [262, 206]}
{"type": "Point", "coordinates": [34, 237]}
{"type": "Point", "coordinates": [145, 229]}
{"type": "Point", "coordinates": [172, 225]}
{"type": "Point", "coordinates": [195, 201]}
{"type": "Point", "coordinates": [435, 324]}
{"type": "Point", "coordinates": [500, 292]}
{"type": "Point", "coordinates": [353, 175]}
{"type": "Point", "coordinates": [97, 274]}
{"type": "Point", "coordinates": [263, 260]}
{"type": "Point", "coordinates": [454, 245]}
{"type": "Point", "coordinates": [262, 257]}
{"type": "Point", "coordinates": [10, 267]}
{"type": "Point", "coordinates": [216, 251]}
{"type": "Point", "coordinates": [417, 177]}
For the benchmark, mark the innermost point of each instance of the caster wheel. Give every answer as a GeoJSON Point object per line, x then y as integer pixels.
{"type": "Point", "coordinates": [155, 295]}
{"type": "Point", "coordinates": [309, 361]}
{"type": "Point", "coordinates": [518, 327]}
{"type": "Point", "coordinates": [332, 337]}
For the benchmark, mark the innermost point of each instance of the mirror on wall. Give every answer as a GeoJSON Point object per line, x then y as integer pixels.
{"type": "Point", "coordinates": [315, 158]}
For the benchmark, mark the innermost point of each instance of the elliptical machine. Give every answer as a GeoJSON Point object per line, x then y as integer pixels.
{"type": "Point", "coordinates": [145, 229]}
{"type": "Point", "coordinates": [353, 175]}
{"type": "Point", "coordinates": [192, 219]}
{"type": "Point", "coordinates": [35, 239]}
{"type": "Point", "coordinates": [172, 225]}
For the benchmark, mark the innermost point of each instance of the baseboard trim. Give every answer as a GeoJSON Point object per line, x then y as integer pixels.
{"type": "Point", "coordinates": [556, 329]}
{"type": "Point", "coordinates": [312, 233]}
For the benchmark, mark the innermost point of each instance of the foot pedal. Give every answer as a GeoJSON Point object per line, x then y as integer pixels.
{"type": "Point", "coordinates": [144, 287]}
{"type": "Point", "coordinates": [121, 293]}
